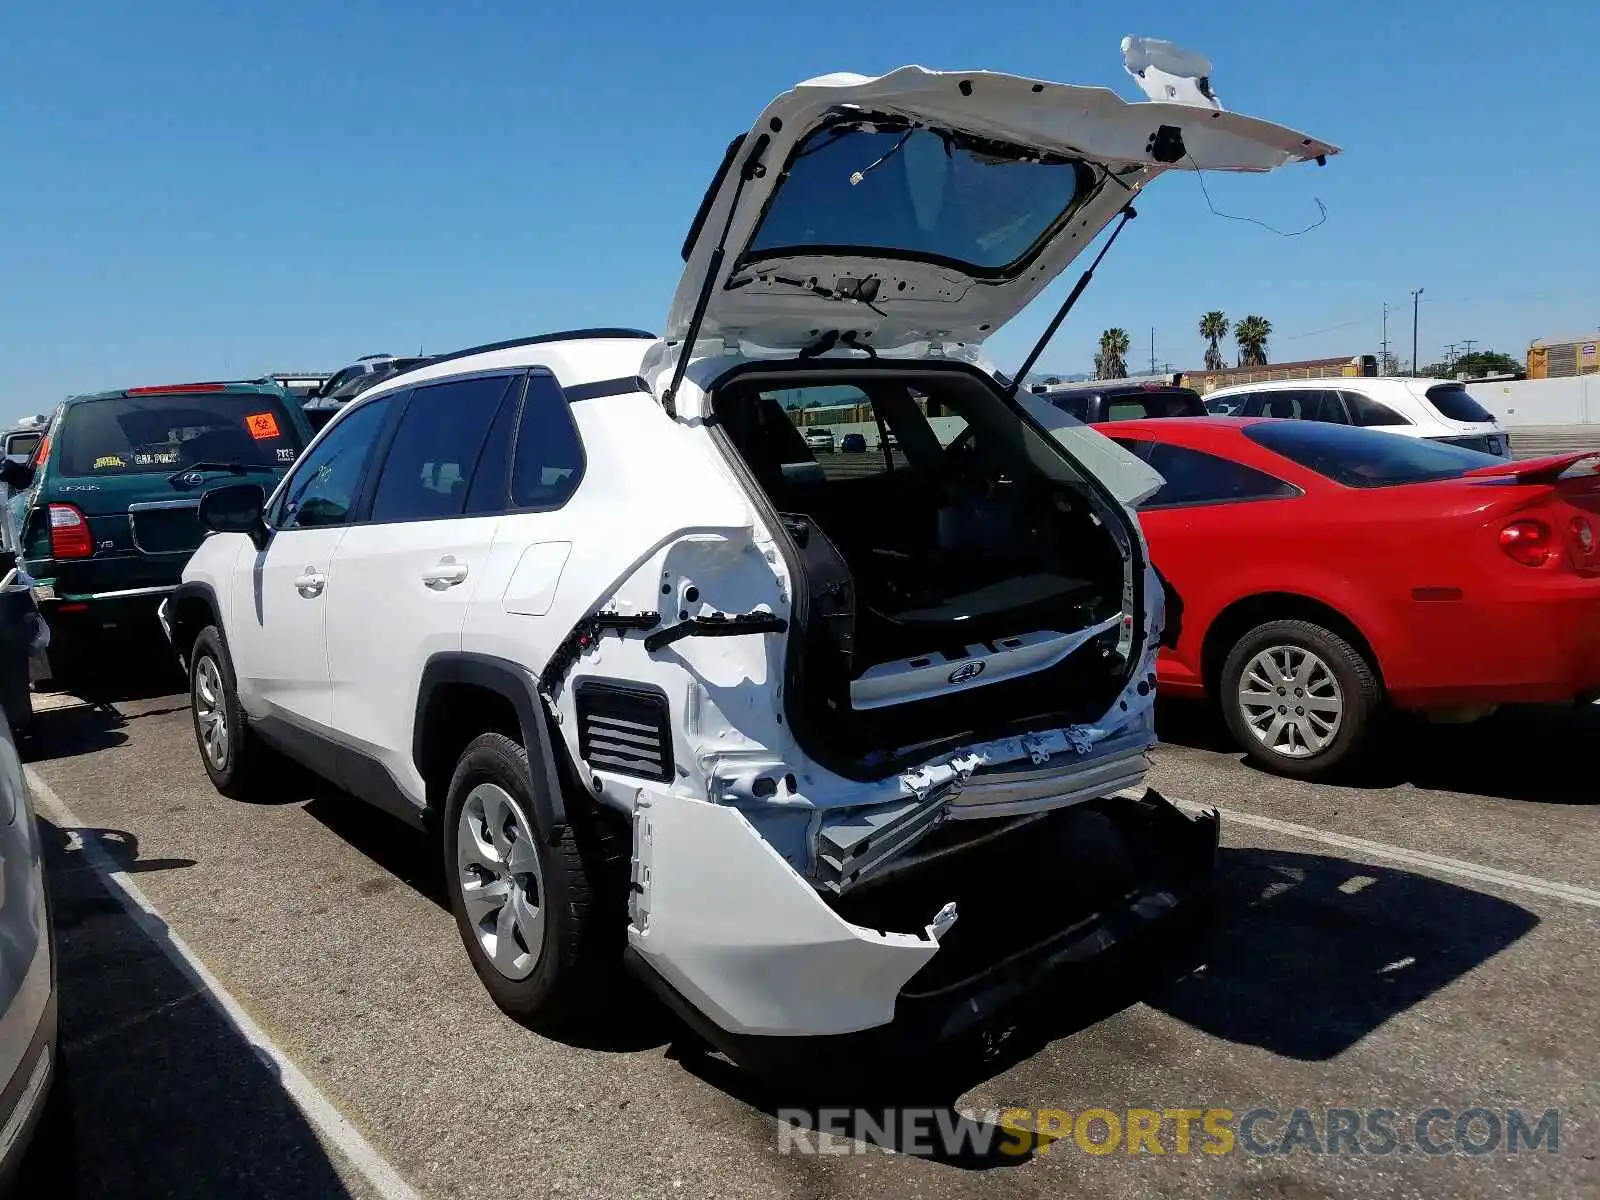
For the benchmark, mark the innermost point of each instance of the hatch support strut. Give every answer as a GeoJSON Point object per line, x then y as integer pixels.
{"type": "Point", "coordinates": [751, 168]}
{"type": "Point", "coordinates": [1128, 214]}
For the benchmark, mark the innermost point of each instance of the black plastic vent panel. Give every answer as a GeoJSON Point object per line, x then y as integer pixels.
{"type": "Point", "coordinates": [624, 729]}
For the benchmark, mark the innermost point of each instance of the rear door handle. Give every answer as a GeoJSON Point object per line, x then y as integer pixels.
{"type": "Point", "coordinates": [310, 584]}
{"type": "Point", "coordinates": [446, 573]}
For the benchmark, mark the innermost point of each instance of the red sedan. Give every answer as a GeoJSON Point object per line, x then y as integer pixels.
{"type": "Point", "coordinates": [1327, 569]}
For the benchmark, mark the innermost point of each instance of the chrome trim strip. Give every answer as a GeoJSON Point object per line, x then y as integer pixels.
{"type": "Point", "coordinates": [166, 590]}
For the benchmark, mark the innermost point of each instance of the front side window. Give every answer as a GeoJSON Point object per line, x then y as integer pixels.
{"type": "Point", "coordinates": [1195, 477]}
{"type": "Point", "coordinates": [1365, 458]}
{"type": "Point", "coordinates": [322, 490]}
{"type": "Point", "coordinates": [547, 463]}
{"type": "Point", "coordinates": [436, 448]}
{"type": "Point", "coordinates": [1297, 404]}
{"type": "Point", "coordinates": [165, 432]}
{"type": "Point", "coordinates": [883, 186]}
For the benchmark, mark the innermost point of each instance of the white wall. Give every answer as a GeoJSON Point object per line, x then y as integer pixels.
{"type": "Point", "coordinates": [1574, 401]}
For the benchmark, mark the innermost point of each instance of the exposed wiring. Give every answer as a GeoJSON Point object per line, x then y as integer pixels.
{"type": "Point", "coordinates": [1204, 191]}
{"type": "Point", "coordinates": [857, 176]}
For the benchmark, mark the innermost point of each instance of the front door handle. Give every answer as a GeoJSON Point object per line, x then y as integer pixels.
{"type": "Point", "coordinates": [310, 584]}
{"type": "Point", "coordinates": [446, 573]}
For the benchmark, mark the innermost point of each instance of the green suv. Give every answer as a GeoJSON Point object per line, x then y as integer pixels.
{"type": "Point", "coordinates": [105, 515]}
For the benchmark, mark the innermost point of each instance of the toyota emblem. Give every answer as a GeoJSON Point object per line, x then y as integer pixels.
{"type": "Point", "coordinates": [966, 671]}
{"type": "Point", "coordinates": [192, 479]}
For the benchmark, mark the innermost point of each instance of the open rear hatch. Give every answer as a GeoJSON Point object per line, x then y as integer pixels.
{"type": "Point", "coordinates": [980, 572]}
{"type": "Point", "coordinates": [932, 206]}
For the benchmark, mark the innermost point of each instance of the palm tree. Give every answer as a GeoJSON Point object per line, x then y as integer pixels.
{"type": "Point", "coordinates": [1111, 362]}
{"type": "Point", "coordinates": [1252, 334]}
{"type": "Point", "coordinates": [1214, 327]}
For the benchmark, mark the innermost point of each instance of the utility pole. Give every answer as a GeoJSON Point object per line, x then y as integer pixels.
{"type": "Point", "coordinates": [1416, 300]}
{"type": "Point", "coordinates": [1383, 362]}
{"type": "Point", "coordinates": [1450, 355]}
{"type": "Point", "coordinates": [1152, 349]}
{"type": "Point", "coordinates": [1468, 344]}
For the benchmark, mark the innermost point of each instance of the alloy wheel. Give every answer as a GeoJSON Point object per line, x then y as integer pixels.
{"type": "Point", "coordinates": [502, 886]}
{"type": "Point", "coordinates": [1291, 701]}
{"type": "Point", "coordinates": [211, 712]}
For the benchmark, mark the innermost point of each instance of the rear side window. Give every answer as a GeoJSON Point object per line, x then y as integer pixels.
{"type": "Point", "coordinates": [1076, 407]}
{"type": "Point", "coordinates": [1195, 477]}
{"type": "Point", "coordinates": [547, 464]}
{"type": "Point", "coordinates": [1364, 410]}
{"type": "Point", "coordinates": [133, 435]}
{"type": "Point", "coordinates": [1456, 403]}
{"type": "Point", "coordinates": [1364, 458]}
{"type": "Point", "coordinates": [435, 449]}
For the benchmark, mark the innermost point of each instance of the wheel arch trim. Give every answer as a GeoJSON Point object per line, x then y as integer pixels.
{"type": "Point", "coordinates": [517, 685]}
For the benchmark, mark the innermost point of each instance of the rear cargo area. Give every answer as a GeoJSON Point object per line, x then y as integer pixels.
{"type": "Point", "coordinates": [959, 575]}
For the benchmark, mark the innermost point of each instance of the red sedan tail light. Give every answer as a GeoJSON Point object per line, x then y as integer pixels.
{"type": "Point", "coordinates": [69, 532]}
{"type": "Point", "coordinates": [1527, 542]}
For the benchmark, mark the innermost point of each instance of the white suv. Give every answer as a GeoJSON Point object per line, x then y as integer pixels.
{"type": "Point", "coordinates": [813, 745]}
{"type": "Point", "coordinates": [1440, 410]}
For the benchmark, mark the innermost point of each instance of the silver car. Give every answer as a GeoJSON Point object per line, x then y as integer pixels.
{"type": "Point", "coordinates": [30, 1095]}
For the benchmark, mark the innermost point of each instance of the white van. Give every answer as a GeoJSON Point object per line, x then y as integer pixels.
{"type": "Point", "coordinates": [1441, 410]}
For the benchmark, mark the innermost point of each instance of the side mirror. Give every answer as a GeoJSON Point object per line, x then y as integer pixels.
{"type": "Point", "coordinates": [15, 474]}
{"type": "Point", "coordinates": [235, 508]}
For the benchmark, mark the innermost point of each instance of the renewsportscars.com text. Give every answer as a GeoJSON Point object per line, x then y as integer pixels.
{"type": "Point", "coordinates": [1172, 1131]}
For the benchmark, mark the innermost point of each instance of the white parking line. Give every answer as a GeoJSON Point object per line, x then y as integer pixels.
{"type": "Point", "coordinates": [1555, 890]}
{"type": "Point", "coordinates": [317, 1108]}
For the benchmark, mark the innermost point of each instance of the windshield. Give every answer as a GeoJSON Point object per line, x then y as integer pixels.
{"type": "Point", "coordinates": [1364, 458]}
{"type": "Point", "coordinates": [131, 435]}
{"type": "Point", "coordinates": [1456, 403]}
{"type": "Point", "coordinates": [886, 186]}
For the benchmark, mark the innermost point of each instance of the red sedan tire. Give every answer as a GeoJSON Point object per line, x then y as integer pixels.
{"type": "Point", "coordinates": [1298, 698]}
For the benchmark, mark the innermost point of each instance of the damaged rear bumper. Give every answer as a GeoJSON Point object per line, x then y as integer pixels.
{"type": "Point", "coordinates": [1060, 889]}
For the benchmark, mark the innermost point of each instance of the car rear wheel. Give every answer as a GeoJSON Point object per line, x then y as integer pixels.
{"type": "Point", "coordinates": [236, 760]}
{"type": "Point", "coordinates": [529, 906]}
{"type": "Point", "coordinates": [1298, 698]}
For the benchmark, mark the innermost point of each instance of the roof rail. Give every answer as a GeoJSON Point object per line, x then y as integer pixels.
{"type": "Point", "coordinates": [566, 335]}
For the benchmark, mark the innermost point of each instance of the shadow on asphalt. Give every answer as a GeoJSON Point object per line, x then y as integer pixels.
{"type": "Point", "coordinates": [168, 1099]}
{"type": "Point", "coordinates": [88, 720]}
{"type": "Point", "coordinates": [1310, 953]}
{"type": "Point", "coordinates": [1538, 755]}
{"type": "Point", "coordinates": [413, 858]}
{"type": "Point", "coordinates": [1306, 955]}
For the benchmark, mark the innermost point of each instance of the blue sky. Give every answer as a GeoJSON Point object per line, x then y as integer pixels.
{"type": "Point", "coordinates": [188, 191]}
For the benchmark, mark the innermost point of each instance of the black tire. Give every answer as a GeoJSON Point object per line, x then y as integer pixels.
{"type": "Point", "coordinates": [576, 974]}
{"type": "Point", "coordinates": [249, 766]}
{"type": "Point", "coordinates": [1359, 689]}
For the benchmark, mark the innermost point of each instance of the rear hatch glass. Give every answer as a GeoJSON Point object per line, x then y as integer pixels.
{"type": "Point", "coordinates": [162, 433]}
{"type": "Point", "coordinates": [1365, 458]}
{"type": "Point", "coordinates": [1457, 404]}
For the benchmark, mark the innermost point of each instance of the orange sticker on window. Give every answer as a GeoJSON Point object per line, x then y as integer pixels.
{"type": "Point", "coordinates": [262, 426]}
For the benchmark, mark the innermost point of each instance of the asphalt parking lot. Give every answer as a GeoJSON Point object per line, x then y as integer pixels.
{"type": "Point", "coordinates": [1425, 939]}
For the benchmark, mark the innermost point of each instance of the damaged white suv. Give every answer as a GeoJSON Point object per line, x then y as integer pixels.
{"type": "Point", "coordinates": [814, 745]}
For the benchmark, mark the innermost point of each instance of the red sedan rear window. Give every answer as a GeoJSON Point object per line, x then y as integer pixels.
{"type": "Point", "coordinates": [1364, 458]}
